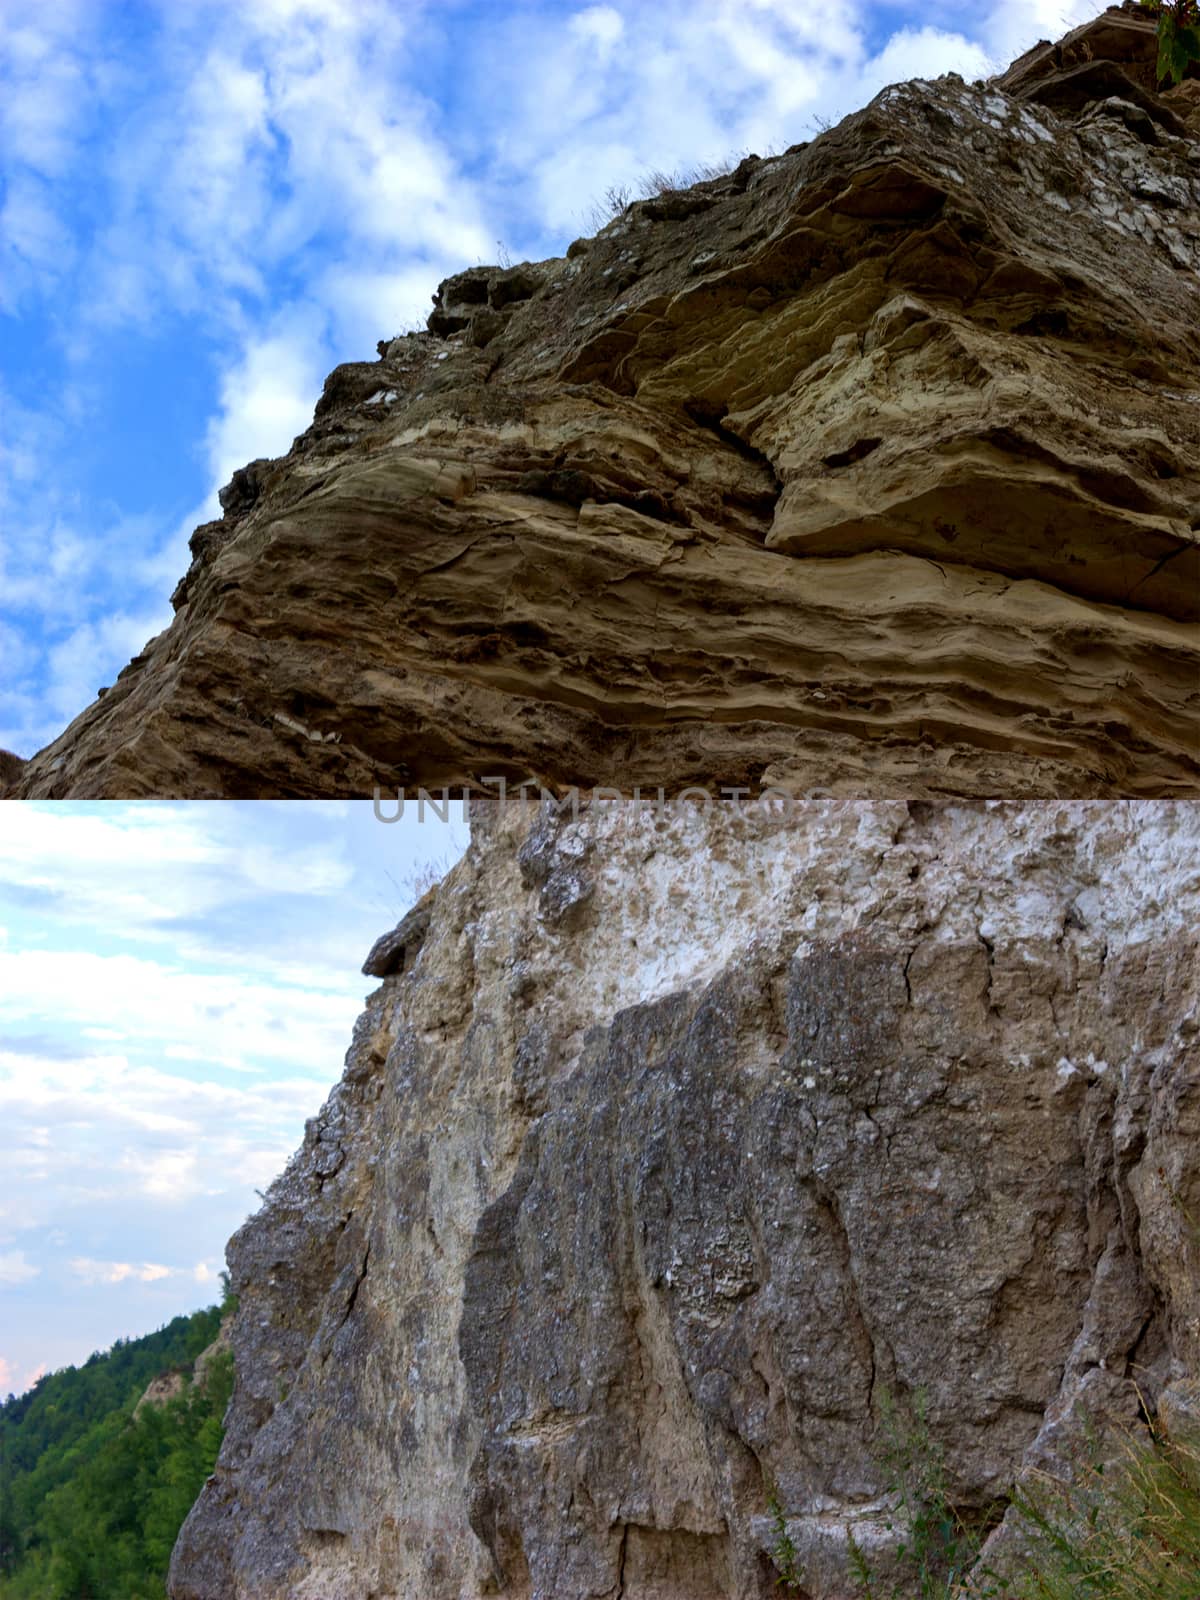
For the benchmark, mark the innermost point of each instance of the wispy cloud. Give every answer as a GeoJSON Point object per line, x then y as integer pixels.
{"type": "Point", "coordinates": [267, 394]}
{"type": "Point", "coordinates": [13, 1380]}
{"type": "Point", "coordinates": [180, 983]}
{"type": "Point", "coordinates": [265, 173]}
{"type": "Point", "coordinates": [140, 867]}
{"type": "Point", "coordinates": [15, 1268]}
{"type": "Point", "coordinates": [117, 1271]}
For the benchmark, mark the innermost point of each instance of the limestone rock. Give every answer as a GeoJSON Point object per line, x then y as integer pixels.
{"type": "Point", "coordinates": [614, 1221]}
{"type": "Point", "coordinates": [871, 468]}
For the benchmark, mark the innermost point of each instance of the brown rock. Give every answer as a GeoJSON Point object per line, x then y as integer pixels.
{"type": "Point", "coordinates": [11, 768]}
{"type": "Point", "coordinates": [167, 1386]}
{"type": "Point", "coordinates": [871, 468]}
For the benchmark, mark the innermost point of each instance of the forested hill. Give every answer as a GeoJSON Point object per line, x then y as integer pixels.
{"type": "Point", "coordinates": [92, 1496]}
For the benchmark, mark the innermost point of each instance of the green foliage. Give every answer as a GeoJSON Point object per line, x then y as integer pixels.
{"type": "Point", "coordinates": [1178, 36]}
{"type": "Point", "coordinates": [783, 1549]}
{"type": "Point", "coordinates": [938, 1544]}
{"type": "Point", "coordinates": [1127, 1529]}
{"type": "Point", "coordinates": [91, 1497]}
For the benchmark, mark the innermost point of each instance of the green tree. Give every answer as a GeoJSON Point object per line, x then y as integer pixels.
{"type": "Point", "coordinates": [91, 1496]}
{"type": "Point", "coordinates": [1178, 36]}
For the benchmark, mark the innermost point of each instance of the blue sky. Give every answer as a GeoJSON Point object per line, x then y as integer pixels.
{"type": "Point", "coordinates": [178, 985]}
{"type": "Point", "coordinates": [206, 205]}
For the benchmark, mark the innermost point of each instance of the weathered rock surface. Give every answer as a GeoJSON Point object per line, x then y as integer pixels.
{"type": "Point", "coordinates": [168, 1386]}
{"type": "Point", "coordinates": [871, 467]}
{"type": "Point", "coordinates": [11, 768]}
{"type": "Point", "coordinates": [625, 1210]}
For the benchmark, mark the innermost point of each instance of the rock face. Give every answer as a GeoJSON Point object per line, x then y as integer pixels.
{"type": "Point", "coordinates": [871, 467]}
{"type": "Point", "coordinates": [11, 768]}
{"type": "Point", "coordinates": [684, 1138]}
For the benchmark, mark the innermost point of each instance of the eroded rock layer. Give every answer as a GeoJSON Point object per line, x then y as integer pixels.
{"type": "Point", "coordinates": [675, 1141]}
{"type": "Point", "coordinates": [871, 467]}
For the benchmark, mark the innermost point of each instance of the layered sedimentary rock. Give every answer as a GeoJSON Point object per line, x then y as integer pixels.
{"type": "Point", "coordinates": [871, 467]}
{"type": "Point", "coordinates": [674, 1141]}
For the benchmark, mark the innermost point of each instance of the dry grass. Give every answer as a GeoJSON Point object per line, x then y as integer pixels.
{"type": "Point", "coordinates": [1123, 1530]}
{"type": "Point", "coordinates": [655, 183]}
{"type": "Point", "coordinates": [1123, 1524]}
{"type": "Point", "coordinates": [413, 882]}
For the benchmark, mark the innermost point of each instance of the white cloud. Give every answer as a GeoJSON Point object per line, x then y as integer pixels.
{"type": "Point", "coordinates": [140, 868]}
{"type": "Point", "coordinates": [92, 655]}
{"type": "Point", "coordinates": [11, 1383]}
{"type": "Point", "coordinates": [1014, 25]}
{"type": "Point", "coordinates": [924, 53]}
{"type": "Point", "coordinates": [59, 557]}
{"type": "Point", "coordinates": [229, 1018]}
{"type": "Point", "coordinates": [619, 89]}
{"type": "Point", "coordinates": [123, 1134]}
{"type": "Point", "coordinates": [601, 25]}
{"type": "Point", "coordinates": [44, 81]}
{"type": "Point", "coordinates": [281, 139]}
{"type": "Point", "coordinates": [181, 982]}
{"type": "Point", "coordinates": [15, 1268]}
{"type": "Point", "coordinates": [267, 394]}
{"type": "Point", "coordinates": [254, 157]}
{"type": "Point", "coordinates": [37, 245]}
{"type": "Point", "coordinates": [93, 1272]}
{"type": "Point", "coordinates": [166, 1174]}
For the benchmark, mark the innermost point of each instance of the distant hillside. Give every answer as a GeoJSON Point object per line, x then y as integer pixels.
{"type": "Point", "coordinates": [92, 1497]}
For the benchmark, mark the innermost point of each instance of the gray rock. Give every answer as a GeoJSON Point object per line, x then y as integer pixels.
{"type": "Point", "coordinates": [396, 951]}
{"type": "Point", "coordinates": [611, 1225]}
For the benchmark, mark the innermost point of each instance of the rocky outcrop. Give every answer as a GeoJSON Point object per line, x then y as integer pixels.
{"type": "Point", "coordinates": [687, 1135]}
{"type": "Point", "coordinates": [395, 950]}
{"type": "Point", "coordinates": [170, 1385]}
{"type": "Point", "coordinates": [167, 1386]}
{"type": "Point", "coordinates": [868, 468]}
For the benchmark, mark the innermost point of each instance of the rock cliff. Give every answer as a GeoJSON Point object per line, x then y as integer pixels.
{"type": "Point", "coordinates": [870, 467]}
{"type": "Point", "coordinates": [671, 1141]}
